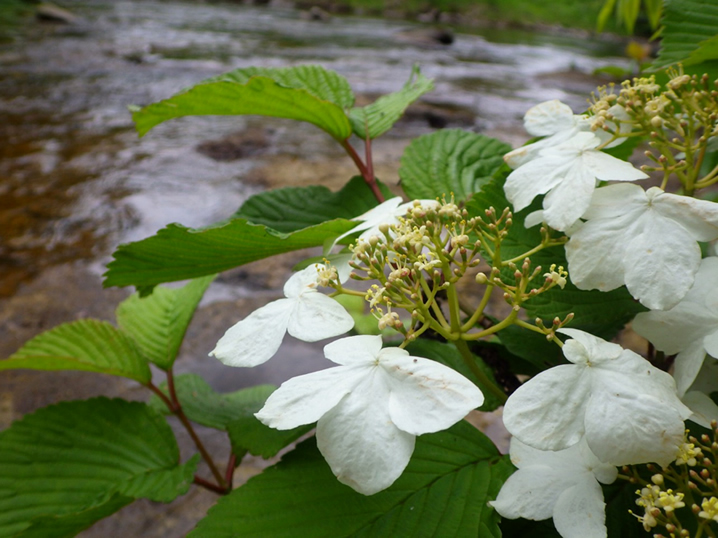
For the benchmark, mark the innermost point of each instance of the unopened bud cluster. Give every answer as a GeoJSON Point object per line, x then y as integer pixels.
{"type": "Point", "coordinates": [679, 120]}
{"type": "Point", "coordinates": [688, 489]}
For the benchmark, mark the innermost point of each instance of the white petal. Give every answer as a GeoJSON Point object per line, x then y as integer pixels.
{"type": "Point", "coordinates": [384, 212]}
{"type": "Point", "coordinates": [674, 330]}
{"type": "Point", "coordinates": [426, 396]}
{"type": "Point", "coordinates": [623, 201]}
{"type": "Point", "coordinates": [306, 398]}
{"type": "Point", "coordinates": [580, 511]}
{"type": "Point", "coordinates": [547, 412]}
{"type": "Point", "coordinates": [363, 349]}
{"type": "Point", "coordinates": [608, 168]}
{"type": "Point", "coordinates": [595, 254]}
{"type": "Point", "coordinates": [625, 429]}
{"type": "Point", "coordinates": [661, 261]}
{"type": "Point", "coordinates": [531, 493]}
{"type": "Point", "coordinates": [316, 317]}
{"type": "Point", "coordinates": [699, 217]}
{"type": "Point", "coordinates": [364, 449]}
{"type": "Point", "coordinates": [594, 349]}
{"type": "Point", "coordinates": [256, 338]}
{"type": "Point", "coordinates": [302, 281]}
{"type": "Point", "coordinates": [704, 409]}
{"type": "Point", "coordinates": [548, 118]}
{"type": "Point", "coordinates": [569, 200]}
{"type": "Point", "coordinates": [687, 365]}
{"type": "Point", "coordinates": [710, 342]}
{"type": "Point", "coordinates": [533, 178]}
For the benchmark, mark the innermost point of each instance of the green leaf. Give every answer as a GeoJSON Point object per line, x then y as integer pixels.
{"type": "Point", "coordinates": [524, 528]}
{"type": "Point", "coordinates": [383, 113]}
{"type": "Point", "coordinates": [317, 81]}
{"type": "Point", "coordinates": [247, 434]}
{"type": "Point", "coordinates": [72, 524]}
{"type": "Point", "coordinates": [687, 25]}
{"type": "Point", "coordinates": [654, 11]}
{"type": "Point", "coordinates": [443, 492]}
{"type": "Point", "coordinates": [158, 322]}
{"type": "Point", "coordinates": [258, 95]}
{"type": "Point", "coordinates": [600, 313]}
{"type": "Point", "coordinates": [604, 14]}
{"type": "Point", "coordinates": [293, 208]}
{"type": "Point", "coordinates": [88, 345]}
{"type": "Point", "coordinates": [204, 406]}
{"type": "Point", "coordinates": [179, 253]}
{"type": "Point", "coordinates": [450, 161]}
{"type": "Point", "coordinates": [628, 12]}
{"type": "Point", "coordinates": [70, 459]}
{"type": "Point", "coordinates": [448, 355]}
{"type": "Point", "coordinates": [707, 50]}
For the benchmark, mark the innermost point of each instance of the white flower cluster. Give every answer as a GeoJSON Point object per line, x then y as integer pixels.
{"type": "Point", "coordinates": [619, 234]}
{"type": "Point", "coordinates": [572, 424]}
{"type": "Point", "coordinates": [371, 407]}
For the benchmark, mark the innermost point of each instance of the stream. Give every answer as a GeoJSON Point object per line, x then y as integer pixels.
{"type": "Point", "coordinates": [76, 181]}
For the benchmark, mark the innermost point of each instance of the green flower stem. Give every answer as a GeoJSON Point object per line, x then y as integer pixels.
{"type": "Point", "coordinates": [486, 383]}
{"type": "Point", "coordinates": [188, 426]}
{"type": "Point", "coordinates": [480, 309]}
{"type": "Point", "coordinates": [530, 327]}
{"type": "Point", "coordinates": [509, 320]}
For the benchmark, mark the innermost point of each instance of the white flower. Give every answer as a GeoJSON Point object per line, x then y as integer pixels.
{"type": "Point", "coordinates": [371, 407]}
{"type": "Point", "coordinates": [557, 122]}
{"type": "Point", "coordinates": [388, 213]}
{"type": "Point", "coordinates": [562, 484]}
{"type": "Point", "coordinates": [567, 174]}
{"type": "Point", "coordinates": [643, 239]}
{"type": "Point", "coordinates": [689, 329]}
{"type": "Point", "coordinates": [627, 409]}
{"type": "Point", "coordinates": [305, 313]}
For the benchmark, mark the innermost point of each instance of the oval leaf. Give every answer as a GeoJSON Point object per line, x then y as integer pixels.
{"type": "Point", "coordinates": [443, 492]}
{"type": "Point", "coordinates": [179, 253]}
{"type": "Point", "coordinates": [89, 345]}
{"type": "Point", "coordinates": [450, 161]}
{"type": "Point", "coordinates": [260, 96]}
{"type": "Point", "coordinates": [158, 322]}
{"type": "Point", "coordinates": [74, 457]}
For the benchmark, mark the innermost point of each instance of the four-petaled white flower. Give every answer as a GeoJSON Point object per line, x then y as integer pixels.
{"type": "Point", "coordinates": [567, 173]}
{"type": "Point", "coordinates": [371, 407]}
{"type": "Point", "coordinates": [689, 329]}
{"type": "Point", "coordinates": [627, 409]}
{"type": "Point", "coordinates": [643, 239]}
{"type": "Point", "coordinates": [304, 313]}
{"type": "Point", "coordinates": [563, 484]}
{"type": "Point", "coordinates": [557, 122]}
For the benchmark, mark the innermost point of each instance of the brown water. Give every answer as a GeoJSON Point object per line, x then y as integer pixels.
{"type": "Point", "coordinates": [75, 180]}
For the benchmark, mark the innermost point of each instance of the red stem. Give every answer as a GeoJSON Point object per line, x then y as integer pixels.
{"type": "Point", "coordinates": [367, 172]}
{"type": "Point", "coordinates": [229, 472]}
{"type": "Point", "coordinates": [209, 485]}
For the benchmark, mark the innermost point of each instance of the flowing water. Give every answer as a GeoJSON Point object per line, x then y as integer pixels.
{"type": "Point", "coordinates": [75, 180]}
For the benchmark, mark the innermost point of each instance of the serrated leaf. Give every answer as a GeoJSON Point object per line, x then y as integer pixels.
{"type": "Point", "coordinates": [600, 313]}
{"type": "Point", "coordinates": [88, 345]}
{"type": "Point", "coordinates": [687, 24]}
{"type": "Point", "coordinates": [707, 50]}
{"type": "Point", "coordinates": [450, 161]}
{"type": "Point", "coordinates": [204, 406]}
{"type": "Point", "coordinates": [70, 525]}
{"type": "Point", "coordinates": [443, 492]}
{"type": "Point", "coordinates": [448, 355]}
{"type": "Point", "coordinates": [293, 208]}
{"type": "Point", "coordinates": [383, 113]}
{"type": "Point", "coordinates": [260, 95]}
{"type": "Point", "coordinates": [179, 253]}
{"type": "Point", "coordinates": [74, 457]}
{"type": "Point", "coordinates": [321, 83]}
{"type": "Point", "coordinates": [158, 322]}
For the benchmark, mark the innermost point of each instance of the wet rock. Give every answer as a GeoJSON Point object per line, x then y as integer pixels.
{"type": "Point", "coordinates": [439, 116]}
{"type": "Point", "coordinates": [249, 143]}
{"type": "Point", "coordinates": [315, 13]}
{"type": "Point", "coordinates": [427, 36]}
{"type": "Point", "coordinates": [48, 12]}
